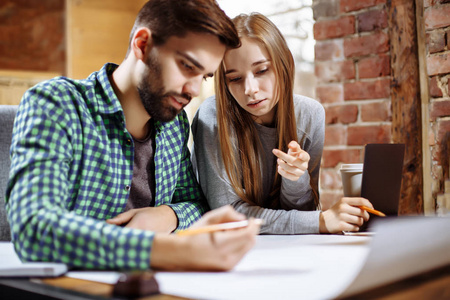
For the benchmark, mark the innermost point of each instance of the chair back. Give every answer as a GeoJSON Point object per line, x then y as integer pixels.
{"type": "Point", "coordinates": [7, 115]}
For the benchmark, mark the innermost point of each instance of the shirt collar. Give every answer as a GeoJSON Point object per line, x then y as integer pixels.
{"type": "Point", "coordinates": [108, 102]}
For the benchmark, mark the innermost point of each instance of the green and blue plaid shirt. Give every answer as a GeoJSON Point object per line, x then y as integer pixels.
{"type": "Point", "coordinates": [71, 169]}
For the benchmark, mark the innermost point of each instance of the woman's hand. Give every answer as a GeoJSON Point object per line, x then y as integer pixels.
{"type": "Point", "coordinates": [292, 165]}
{"type": "Point", "coordinates": [345, 215]}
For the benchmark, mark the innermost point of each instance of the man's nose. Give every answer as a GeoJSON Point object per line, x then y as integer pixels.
{"type": "Point", "coordinates": [193, 86]}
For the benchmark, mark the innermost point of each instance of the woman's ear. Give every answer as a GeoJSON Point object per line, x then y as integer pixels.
{"type": "Point", "coordinates": [141, 42]}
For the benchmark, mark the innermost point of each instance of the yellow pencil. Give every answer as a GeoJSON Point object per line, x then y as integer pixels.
{"type": "Point", "coordinates": [372, 211]}
{"type": "Point", "coordinates": [218, 227]}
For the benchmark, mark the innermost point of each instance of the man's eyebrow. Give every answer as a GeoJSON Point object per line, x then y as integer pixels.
{"type": "Point", "coordinates": [253, 64]}
{"type": "Point", "coordinates": [192, 60]}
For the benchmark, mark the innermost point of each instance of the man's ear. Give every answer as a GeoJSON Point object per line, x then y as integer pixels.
{"type": "Point", "coordinates": [141, 42]}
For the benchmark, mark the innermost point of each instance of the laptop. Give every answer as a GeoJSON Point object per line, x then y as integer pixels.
{"type": "Point", "coordinates": [382, 179]}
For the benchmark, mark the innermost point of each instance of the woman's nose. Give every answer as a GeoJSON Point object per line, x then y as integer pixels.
{"type": "Point", "coordinates": [251, 86]}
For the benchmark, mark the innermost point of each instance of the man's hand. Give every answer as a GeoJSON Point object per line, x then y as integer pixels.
{"type": "Point", "coordinates": [345, 215]}
{"type": "Point", "coordinates": [216, 251]}
{"type": "Point", "coordinates": [292, 165]}
{"type": "Point", "coordinates": [159, 219]}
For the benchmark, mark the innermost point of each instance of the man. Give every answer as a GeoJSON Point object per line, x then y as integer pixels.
{"type": "Point", "coordinates": [114, 147]}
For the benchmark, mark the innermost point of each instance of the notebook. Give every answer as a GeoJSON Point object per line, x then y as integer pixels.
{"type": "Point", "coordinates": [382, 178]}
{"type": "Point", "coordinates": [11, 266]}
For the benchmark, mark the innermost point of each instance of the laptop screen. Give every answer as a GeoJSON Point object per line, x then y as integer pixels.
{"type": "Point", "coordinates": [382, 177]}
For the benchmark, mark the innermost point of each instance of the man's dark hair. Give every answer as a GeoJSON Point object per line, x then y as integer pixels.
{"type": "Point", "coordinates": [166, 18]}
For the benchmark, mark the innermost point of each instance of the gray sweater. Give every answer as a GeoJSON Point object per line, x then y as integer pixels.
{"type": "Point", "coordinates": [298, 213]}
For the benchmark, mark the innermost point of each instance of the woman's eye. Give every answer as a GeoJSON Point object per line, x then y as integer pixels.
{"type": "Point", "coordinates": [234, 79]}
{"type": "Point", "coordinates": [262, 71]}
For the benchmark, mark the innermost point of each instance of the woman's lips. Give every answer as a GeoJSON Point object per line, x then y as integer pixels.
{"type": "Point", "coordinates": [255, 103]}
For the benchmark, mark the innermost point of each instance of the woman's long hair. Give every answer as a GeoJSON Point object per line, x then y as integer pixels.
{"type": "Point", "coordinates": [239, 140]}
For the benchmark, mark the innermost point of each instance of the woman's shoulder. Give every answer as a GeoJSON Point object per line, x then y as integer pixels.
{"type": "Point", "coordinates": [308, 108]}
{"type": "Point", "coordinates": [206, 114]}
{"type": "Point", "coordinates": [303, 102]}
{"type": "Point", "coordinates": [208, 106]}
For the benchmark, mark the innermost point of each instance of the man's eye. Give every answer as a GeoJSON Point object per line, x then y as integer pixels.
{"type": "Point", "coordinates": [188, 67]}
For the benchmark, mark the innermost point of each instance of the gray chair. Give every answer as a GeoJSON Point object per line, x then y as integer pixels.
{"type": "Point", "coordinates": [7, 115]}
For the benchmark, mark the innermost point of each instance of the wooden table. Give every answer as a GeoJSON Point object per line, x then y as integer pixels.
{"type": "Point", "coordinates": [431, 285]}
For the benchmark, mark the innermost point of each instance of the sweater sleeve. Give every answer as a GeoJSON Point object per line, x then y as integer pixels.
{"type": "Point", "coordinates": [304, 193]}
{"type": "Point", "coordinates": [214, 181]}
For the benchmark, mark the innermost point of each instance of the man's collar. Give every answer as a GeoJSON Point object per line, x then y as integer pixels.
{"type": "Point", "coordinates": [109, 103]}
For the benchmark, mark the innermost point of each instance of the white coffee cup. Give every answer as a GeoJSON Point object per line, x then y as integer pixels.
{"type": "Point", "coordinates": [351, 175]}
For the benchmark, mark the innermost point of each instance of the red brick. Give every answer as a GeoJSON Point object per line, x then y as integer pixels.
{"type": "Point", "coordinates": [435, 90]}
{"type": "Point", "coordinates": [331, 158]}
{"type": "Point", "coordinates": [365, 45]}
{"type": "Point", "coordinates": [334, 71]}
{"type": "Point", "coordinates": [447, 33]}
{"type": "Point", "coordinates": [427, 3]}
{"type": "Point", "coordinates": [327, 8]}
{"type": "Point", "coordinates": [32, 35]}
{"type": "Point", "coordinates": [437, 16]}
{"type": "Point", "coordinates": [431, 136]}
{"type": "Point", "coordinates": [361, 135]}
{"type": "Point", "coordinates": [377, 111]}
{"type": "Point", "coordinates": [375, 66]}
{"type": "Point", "coordinates": [348, 69]}
{"type": "Point", "coordinates": [329, 50]}
{"type": "Point", "coordinates": [334, 28]}
{"type": "Point", "coordinates": [443, 128]}
{"type": "Point", "coordinates": [440, 108]}
{"type": "Point", "coordinates": [344, 114]}
{"type": "Point", "coordinates": [435, 41]}
{"type": "Point", "coordinates": [330, 93]}
{"type": "Point", "coordinates": [360, 90]}
{"type": "Point", "coordinates": [438, 64]}
{"type": "Point", "coordinates": [372, 20]}
{"type": "Point", "coordinates": [335, 135]}
{"type": "Point", "coordinates": [352, 5]}
{"type": "Point", "coordinates": [330, 179]}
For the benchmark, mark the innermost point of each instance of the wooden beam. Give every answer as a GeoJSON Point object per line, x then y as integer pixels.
{"type": "Point", "coordinates": [406, 104]}
{"type": "Point", "coordinates": [429, 204]}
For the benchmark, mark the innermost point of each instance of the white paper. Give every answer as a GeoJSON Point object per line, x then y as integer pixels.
{"type": "Point", "coordinates": [279, 267]}
{"type": "Point", "coordinates": [12, 266]}
{"type": "Point", "coordinates": [108, 277]}
{"type": "Point", "coordinates": [316, 266]}
{"type": "Point", "coordinates": [322, 266]}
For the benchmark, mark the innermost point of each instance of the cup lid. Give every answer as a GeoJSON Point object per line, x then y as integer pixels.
{"type": "Point", "coordinates": [352, 166]}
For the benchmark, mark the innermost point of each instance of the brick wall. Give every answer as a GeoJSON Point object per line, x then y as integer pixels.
{"type": "Point", "coordinates": [353, 72]}
{"type": "Point", "coordinates": [32, 45]}
{"type": "Point", "coordinates": [354, 85]}
{"type": "Point", "coordinates": [32, 35]}
{"type": "Point", "coordinates": [437, 30]}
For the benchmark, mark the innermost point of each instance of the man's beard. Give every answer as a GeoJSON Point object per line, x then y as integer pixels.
{"type": "Point", "coordinates": [151, 91]}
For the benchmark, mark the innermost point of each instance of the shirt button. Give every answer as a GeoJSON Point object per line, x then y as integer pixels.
{"type": "Point", "coordinates": [128, 142]}
{"type": "Point", "coordinates": [127, 187]}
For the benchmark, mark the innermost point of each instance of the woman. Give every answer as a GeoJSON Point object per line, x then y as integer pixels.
{"type": "Point", "coordinates": [255, 118]}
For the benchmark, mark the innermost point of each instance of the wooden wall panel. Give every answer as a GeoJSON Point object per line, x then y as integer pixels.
{"type": "Point", "coordinates": [406, 102]}
{"type": "Point", "coordinates": [97, 32]}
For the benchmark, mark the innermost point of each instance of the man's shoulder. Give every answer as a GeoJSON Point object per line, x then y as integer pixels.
{"type": "Point", "coordinates": [60, 88]}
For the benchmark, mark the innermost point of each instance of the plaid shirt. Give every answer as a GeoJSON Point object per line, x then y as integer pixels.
{"type": "Point", "coordinates": [72, 165]}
